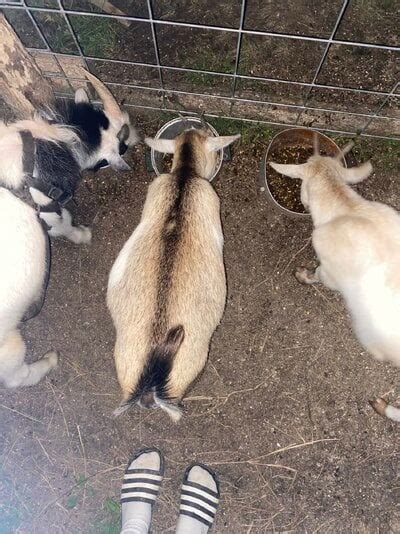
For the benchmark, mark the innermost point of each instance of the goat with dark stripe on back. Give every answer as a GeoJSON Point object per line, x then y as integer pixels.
{"type": "Point", "coordinates": [167, 287]}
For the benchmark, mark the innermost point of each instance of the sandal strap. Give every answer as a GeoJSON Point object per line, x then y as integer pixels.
{"type": "Point", "coordinates": [194, 486]}
{"type": "Point", "coordinates": [199, 502]}
{"type": "Point", "coordinates": [134, 471]}
{"type": "Point", "coordinates": [140, 486]}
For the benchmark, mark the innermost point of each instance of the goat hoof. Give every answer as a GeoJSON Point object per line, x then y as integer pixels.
{"type": "Point", "coordinates": [85, 235]}
{"type": "Point", "coordinates": [304, 276]}
{"type": "Point", "coordinates": [379, 405]}
{"type": "Point", "coordinates": [52, 358]}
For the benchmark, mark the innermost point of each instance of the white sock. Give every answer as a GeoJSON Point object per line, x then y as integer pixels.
{"type": "Point", "coordinates": [139, 491]}
{"type": "Point", "coordinates": [199, 501]}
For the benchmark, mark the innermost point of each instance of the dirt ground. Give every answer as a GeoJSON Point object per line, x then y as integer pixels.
{"type": "Point", "coordinates": [281, 410]}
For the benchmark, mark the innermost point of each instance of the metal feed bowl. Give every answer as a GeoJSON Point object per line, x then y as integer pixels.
{"type": "Point", "coordinates": [294, 137]}
{"type": "Point", "coordinates": [172, 129]}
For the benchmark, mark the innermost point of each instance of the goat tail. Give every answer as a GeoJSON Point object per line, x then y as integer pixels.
{"type": "Point", "coordinates": [42, 129]}
{"type": "Point", "coordinates": [383, 408]}
{"type": "Point", "coordinates": [152, 388]}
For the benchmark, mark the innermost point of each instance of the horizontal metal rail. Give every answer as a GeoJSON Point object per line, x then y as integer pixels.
{"type": "Point", "coordinates": [208, 27]}
{"type": "Point", "coordinates": [228, 98]}
{"type": "Point", "coordinates": [347, 133]}
{"type": "Point", "coordinates": [216, 73]}
{"type": "Point", "coordinates": [159, 85]}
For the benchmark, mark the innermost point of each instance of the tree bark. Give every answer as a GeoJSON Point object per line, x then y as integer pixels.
{"type": "Point", "coordinates": [22, 85]}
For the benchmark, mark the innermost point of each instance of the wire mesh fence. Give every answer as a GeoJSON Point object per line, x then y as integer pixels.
{"type": "Point", "coordinates": [331, 65]}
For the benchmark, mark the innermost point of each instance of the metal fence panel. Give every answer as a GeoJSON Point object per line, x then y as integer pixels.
{"type": "Point", "coordinates": [328, 65]}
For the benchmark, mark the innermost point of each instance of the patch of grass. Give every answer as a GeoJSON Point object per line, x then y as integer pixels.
{"type": "Point", "coordinates": [11, 513]}
{"type": "Point", "coordinates": [383, 152]}
{"type": "Point", "coordinates": [43, 3]}
{"type": "Point", "coordinates": [97, 35]}
{"type": "Point", "coordinates": [76, 494]}
{"type": "Point", "coordinates": [205, 59]}
{"type": "Point", "coordinates": [10, 518]}
{"type": "Point", "coordinates": [166, 116]}
{"type": "Point", "coordinates": [111, 523]}
{"type": "Point", "coordinates": [210, 60]}
{"type": "Point", "coordinates": [251, 132]}
{"type": "Point", "coordinates": [201, 80]}
{"type": "Point", "coordinates": [389, 155]}
{"type": "Point", "coordinates": [225, 126]}
{"type": "Point", "coordinates": [72, 501]}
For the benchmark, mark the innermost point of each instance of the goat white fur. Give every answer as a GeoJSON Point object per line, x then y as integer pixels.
{"type": "Point", "coordinates": [358, 246]}
{"type": "Point", "coordinates": [11, 149]}
{"type": "Point", "coordinates": [22, 272]}
{"type": "Point", "coordinates": [167, 288]}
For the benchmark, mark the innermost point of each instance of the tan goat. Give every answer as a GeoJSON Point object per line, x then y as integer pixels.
{"type": "Point", "coordinates": [358, 246]}
{"type": "Point", "coordinates": [167, 288]}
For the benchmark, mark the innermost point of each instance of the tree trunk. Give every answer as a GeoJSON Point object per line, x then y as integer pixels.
{"type": "Point", "coordinates": [22, 85]}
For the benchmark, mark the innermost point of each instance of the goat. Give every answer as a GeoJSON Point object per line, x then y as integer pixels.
{"type": "Point", "coordinates": [167, 288]}
{"type": "Point", "coordinates": [357, 243]}
{"type": "Point", "coordinates": [67, 139]}
{"type": "Point", "coordinates": [22, 275]}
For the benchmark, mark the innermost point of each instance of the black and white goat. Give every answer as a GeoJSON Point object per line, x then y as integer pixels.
{"type": "Point", "coordinates": [42, 158]}
{"type": "Point", "coordinates": [50, 166]}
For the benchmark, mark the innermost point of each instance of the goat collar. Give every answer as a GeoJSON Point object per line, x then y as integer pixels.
{"type": "Point", "coordinates": [56, 194]}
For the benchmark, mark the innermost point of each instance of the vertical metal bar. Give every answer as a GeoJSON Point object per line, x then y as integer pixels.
{"type": "Point", "coordinates": [74, 37]}
{"type": "Point", "coordinates": [239, 46]}
{"type": "Point", "coordinates": [33, 20]}
{"type": "Point", "coordinates": [156, 49]}
{"type": "Point", "coordinates": [43, 37]}
{"type": "Point", "coordinates": [380, 107]}
{"type": "Point", "coordinates": [322, 61]}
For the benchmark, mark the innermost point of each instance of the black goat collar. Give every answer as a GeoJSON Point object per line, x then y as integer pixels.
{"type": "Point", "coordinates": [28, 161]}
{"type": "Point", "coordinates": [28, 152]}
{"type": "Point", "coordinates": [55, 193]}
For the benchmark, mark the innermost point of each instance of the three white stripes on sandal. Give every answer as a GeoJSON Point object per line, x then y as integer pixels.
{"type": "Point", "coordinates": [200, 492]}
{"type": "Point", "coordinates": [140, 486]}
{"type": "Point", "coordinates": [198, 503]}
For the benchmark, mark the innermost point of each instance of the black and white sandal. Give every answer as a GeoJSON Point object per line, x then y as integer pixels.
{"type": "Point", "coordinates": [197, 500]}
{"type": "Point", "coordinates": [140, 484]}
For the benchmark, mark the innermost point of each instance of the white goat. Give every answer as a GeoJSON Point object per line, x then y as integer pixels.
{"type": "Point", "coordinates": [358, 246]}
{"type": "Point", "coordinates": [22, 274]}
{"type": "Point", "coordinates": [167, 288]}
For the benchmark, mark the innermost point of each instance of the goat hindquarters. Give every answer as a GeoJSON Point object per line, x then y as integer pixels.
{"type": "Point", "coordinates": [22, 275]}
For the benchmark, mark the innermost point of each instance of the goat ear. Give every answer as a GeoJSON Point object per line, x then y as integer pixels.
{"type": "Point", "coordinates": [216, 143]}
{"type": "Point", "coordinates": [357, 174]}
{"type": "Point", "coordinates": [123, 134]}
{"type": "Point", "coordinates": [293, 171]}
{"type": "Point", "coordinates": [81, 96]}
{"type": "Point", "coordinates": [167, 146]}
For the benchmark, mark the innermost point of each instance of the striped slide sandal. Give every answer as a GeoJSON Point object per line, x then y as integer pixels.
{"type": "Point", "coordinates": [199, 500]}
{"type": "Point", "coordinates": [140, 488]}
